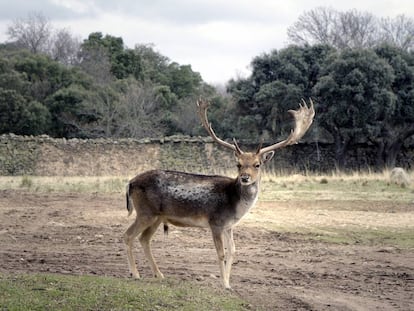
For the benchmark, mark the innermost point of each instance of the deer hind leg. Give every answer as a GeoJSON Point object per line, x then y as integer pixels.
{"type": "Point", "coordinates": [219, 243]}
{"type": "Point", "coordinates": [145, 240]}
{"type": "Point", "coordinates": [230, 251]}
{"type": "Point", "coordinates": [140, 225]}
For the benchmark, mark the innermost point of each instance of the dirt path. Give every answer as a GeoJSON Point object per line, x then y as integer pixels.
{"type": "Point", "coordinates": [81, 234]}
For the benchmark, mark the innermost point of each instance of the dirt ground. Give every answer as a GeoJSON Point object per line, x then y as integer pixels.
{"type": "Point", "coordinates": [82, 234]}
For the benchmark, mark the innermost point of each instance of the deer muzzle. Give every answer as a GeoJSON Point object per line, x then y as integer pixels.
{"type": "Point", "coordinates": [245, 178]}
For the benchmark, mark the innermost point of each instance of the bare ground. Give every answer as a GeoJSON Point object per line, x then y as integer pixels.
{"type": "Point", "coordinates": [82, 234]}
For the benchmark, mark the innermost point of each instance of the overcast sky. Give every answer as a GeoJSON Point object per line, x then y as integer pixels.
{"type": "Point", "coordinates": [218, 38]}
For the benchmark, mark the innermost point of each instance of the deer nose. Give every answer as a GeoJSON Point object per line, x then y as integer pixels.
{"type": "Point", "coordinates": [245, 178]}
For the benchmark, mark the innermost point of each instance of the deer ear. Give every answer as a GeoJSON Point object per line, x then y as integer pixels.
{"type": "Point", "coordinates": [267, 156]}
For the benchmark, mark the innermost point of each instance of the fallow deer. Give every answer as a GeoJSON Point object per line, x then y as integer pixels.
{"type": "Point", "coordinates": [192, 200]}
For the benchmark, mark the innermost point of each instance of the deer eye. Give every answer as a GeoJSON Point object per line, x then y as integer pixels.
{"type": "Point", "coordinates": [257, 165]}
{"type": "Point", "coordinates": [239, 166]}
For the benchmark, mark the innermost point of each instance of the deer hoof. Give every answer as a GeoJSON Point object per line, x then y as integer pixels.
{"type": "Point", "coordinates": [134, 275]}
{"type": "Point", "coordinates": [227, 287]}
{"type": "Point", "coordinates": [159, 275]}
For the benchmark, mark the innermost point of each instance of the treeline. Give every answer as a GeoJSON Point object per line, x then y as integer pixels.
{"type": "Point", "coordinates": [363, 92]}
{"type": "Point", "coordinates": [362, 96]}
{"type": "Point", "coordinates": [108, 90]}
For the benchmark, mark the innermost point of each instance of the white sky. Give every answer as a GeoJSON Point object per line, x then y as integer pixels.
{"type": "Point", "coordinates": [218, 38]}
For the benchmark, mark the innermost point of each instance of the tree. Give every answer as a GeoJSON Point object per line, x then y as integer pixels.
{"type": "Point", "coordinates": [44, 94]}
{"type": "Point", "coordinates": [398, 125]}
{"type": "Point", "coordinates": [10, 79]}
{"type": "Point", "coordinates": [398, 32]}
{"type": "Point", "coordinates": [69, 111]}
{"type": "Point", "coordinates": [183, 118]}
{"type": "Point", "coordinates": [170, 83]}
{"type": "Point", "coordinates": [129, 108]}
{"type": "Point", "coordinates": [277, 83]}
{"type": "Point", "coordinates": [44, 75]}
{"type": "Point", "coordinates": [354, 97]}
{"type": "Point", "coordinates": [35, 33]}
{"type": "Point", "coordinates": [65, 47]}
{"type": "Point", "coordinates": [316, 26]}
{"type": "Point", "coordinates": [182, 80]}
{"type": "Point", "coordinates": [105, 90]}
{"type": "Point", "coordinates": [96, 63]}
{"type": "Point", "coordinates": [21, 117]}
{"type": "Point", "coordinates": [32, 33]}
{"type": "Point", "coordinates": [103, 105]}
{"type": "Point", "coordinates": [154, 64]}
{"type": "Point", "coordinates": [141, 110]}
{"type": "Point", "coordinates": [351, 29]}
{"type": "Point", "coordinates": [99, 52]}
{"type": "Point", "coordinates": [126, 64]}
{"type": "Point", "coordinates": [354, 29]}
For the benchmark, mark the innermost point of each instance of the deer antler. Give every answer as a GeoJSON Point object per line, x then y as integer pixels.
{"type": "Point", "coordinates": [202, 112]}
{"type": "Point", "coordinates": [303, 120]}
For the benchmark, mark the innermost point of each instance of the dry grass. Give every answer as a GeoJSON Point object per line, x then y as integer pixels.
{"type": "Point", "coordinates": [356, 208]}
{"type": "Point", "coordinates": [335, 176]}
{"type": "Point", "coordinates": [101, 184]}
{"type": "Point", "coordinates": [352, 186]}
{"type": "Point", "coordinates": [365, 186]}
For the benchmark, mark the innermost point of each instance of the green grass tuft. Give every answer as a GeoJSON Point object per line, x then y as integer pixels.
{"type": "Point", "coordinates": [57, 292]}
{"type": "Point", "coordinates": [324, 180]}
{"type": "Point", "coordinates": [385, 237]}
{"type": "Point", "coordinates": [26, 182]}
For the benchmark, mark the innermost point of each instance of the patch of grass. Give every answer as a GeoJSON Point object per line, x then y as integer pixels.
{"type": "Point", "coordinates": [57, 292]}
{"type": "Point", "coordinates": [86, 184]}
{"type": "Point", "coordinates": [324, 180]}
{"type": "Point", "coordinates": [386, 237]}
{"type": "Point", "coordinates": [326, 188]}
{"type": "Point", "coordinates": [26, 182]}
{"type": "Point", "coordinates": [370, 237]}
{"type": "Point", "coordinates": [353, 186]}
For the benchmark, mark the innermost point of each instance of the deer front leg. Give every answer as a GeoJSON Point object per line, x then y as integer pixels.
{"type": "Point", "coordinates": [218, 242]}
{"type": "Point", "coordinates": [230, 251]}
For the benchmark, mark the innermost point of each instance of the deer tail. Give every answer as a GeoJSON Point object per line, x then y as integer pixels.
{"type": "Point", "coordinates": [166, 228]}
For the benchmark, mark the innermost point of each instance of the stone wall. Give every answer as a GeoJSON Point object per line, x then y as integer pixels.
{"type": "Point", "coordinates": [45, 156]}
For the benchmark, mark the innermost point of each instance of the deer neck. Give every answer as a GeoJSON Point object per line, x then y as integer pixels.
{"type": "Point", "coordinates": [248, 198]}
{"type": "Point", "coordinates": [249, 192]}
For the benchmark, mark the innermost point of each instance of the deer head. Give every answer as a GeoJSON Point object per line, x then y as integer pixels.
{"type": "Point", "coordinates": [249, 163]}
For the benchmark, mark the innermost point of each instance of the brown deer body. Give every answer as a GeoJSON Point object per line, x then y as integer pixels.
{"type": "Point", "coordinates": [192, 200]}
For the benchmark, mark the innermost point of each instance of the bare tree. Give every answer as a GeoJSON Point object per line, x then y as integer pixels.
{"type": "Point", "coordinates": [313, 27]}
{"type": "Point", "coordinates": [65, 47]}
{"type": "Point", "coordinates": [351, 29]}
{"type": "Point", "coordinates": [355, 29]}
{"type": "Point", "coordinates": [128, 109]}
{"type": "Point", "coordinates": [35, 33]}
{"type": "Point", "coordinates": [185, 117]}
{"type": "Point", "coordinates": [398, 31]}
{"type": "Point", "coordinates": [140, 111]}
{"type": "Point", "coordinates": [96, 63]}
{"type": "Point", "coordinates": [32, 33]}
